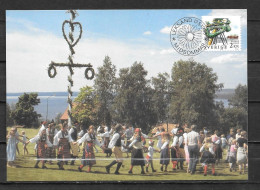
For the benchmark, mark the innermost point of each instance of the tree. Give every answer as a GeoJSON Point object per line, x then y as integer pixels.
{"type": "Point", "coordinates": [24, 113]}
{"type": "Point", "coordinates": [161, 95]}
{"type": "Point", "coordinates": [86, 106]}
{"type": "Point", "coordinates": [9, 119]}
{"type": "Point", "coordinates": [236, 115]}
{"type": "Point", "coordinates": [133, 103]}
{"type": "Point", "coordinates": [240, 97]}
{"type": "Point", "coordinates": [57, 118]}
{"type": "Point", "coordinates": [105, 88]}
{"type": "Point", "coordinates": [194, 86]}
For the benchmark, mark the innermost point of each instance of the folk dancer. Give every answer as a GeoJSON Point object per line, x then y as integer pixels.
{"type": "Point", "coordinates": [43, 142]}
{"type": "Point", "coordinates": [88, 157]}
{"type": "Point", "coordinates": [115, 144]}
{"type": "Point", "coordinates": [51, 131]}
{"type": "Point", "coordinates": [137, 157]}
{"type": "Point", "coordinates": [74, 147]}
{"type": "Point", "coordinates": [164, 151]}
{"type": "Point", "coordinates": [62, 141]}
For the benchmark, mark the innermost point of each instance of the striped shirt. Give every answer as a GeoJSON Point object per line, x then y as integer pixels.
{"type": "Point", "coordinates": [193, 138]}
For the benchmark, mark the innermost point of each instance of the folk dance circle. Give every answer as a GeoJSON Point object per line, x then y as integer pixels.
{"type": "Point", "coordinates": [182, 146]}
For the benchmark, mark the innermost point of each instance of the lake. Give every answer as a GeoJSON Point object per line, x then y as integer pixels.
{"type": "Point", "coordinates": [56, 104]}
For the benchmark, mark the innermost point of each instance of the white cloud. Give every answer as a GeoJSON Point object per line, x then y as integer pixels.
{"type": "Point", "coordinates": [167, 51]}
{"type": "Point", "coordinates": [231, 12]}
{"type": "Point", "coordinates": [147, 33]}
{"type": "Point", "coordinates": [166, 30]}
{"type": "Point", "coordinates": [29, 54]}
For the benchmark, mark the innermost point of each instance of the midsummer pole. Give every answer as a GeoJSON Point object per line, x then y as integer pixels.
{"type": "Point", "coordinates": [70, 64]}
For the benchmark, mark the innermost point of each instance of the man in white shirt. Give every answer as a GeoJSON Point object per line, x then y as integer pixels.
{"type": "Point", "coordinates": [115, 145]}
{"type": "Point", "coordinates": [193, 148]}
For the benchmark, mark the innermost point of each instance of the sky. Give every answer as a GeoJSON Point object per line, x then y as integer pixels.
{"type": "Point", "coordinates": [34, 39]}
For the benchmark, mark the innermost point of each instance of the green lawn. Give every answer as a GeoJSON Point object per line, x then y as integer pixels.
{"type": "Point", "coordinates": [25, 170]}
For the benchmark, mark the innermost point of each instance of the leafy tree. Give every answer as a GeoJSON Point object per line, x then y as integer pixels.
{"type": "Point", "coordinates": [133, 103]}
{"type": "Point", "coordinates": [194, 86]}
{"type": "Point", "coordinates": [240, 97]}
{"type": "Point", "coordinates": [161, 95]}
{"type": "Point", "coordinates": [24, 113]}
{"type": "Point", "coordinates": [57, 118]}
{"type": "Point", "coordinates": [105, 88]}
{"type": "Point", "coordinates": [86, 106]}
{"type": "Point", "coordinates": [9, 119]}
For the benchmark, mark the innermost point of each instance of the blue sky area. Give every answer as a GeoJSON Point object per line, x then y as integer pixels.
{"type": "Point", "coordinates": [127, 29]}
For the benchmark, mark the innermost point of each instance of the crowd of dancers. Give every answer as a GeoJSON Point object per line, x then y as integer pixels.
{"type": "Point", "coordinates": [182, 145]}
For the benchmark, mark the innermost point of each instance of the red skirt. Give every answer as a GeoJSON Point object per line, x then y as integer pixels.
{"type": "Point", "coordinates": [88, 157]}
{"type": "Point", "coordinates": [41, 149]}
{"type": "Point", "coordinates": [64, 148]}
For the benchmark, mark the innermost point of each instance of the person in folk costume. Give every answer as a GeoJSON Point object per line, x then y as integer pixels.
{"type": "Point", "coordinates": [242, 152]}
{"type": "Point", "coordinates": [159, 134]}
{"type": "Point", "coordinates": [115, 144]}
{"type": "Point", "coordinates": [178, 150]}
{"type": "Point", "coordinates": [208, 156]}
{"type": "Point", "coordinates": [216, 140]}
{"type": "Point", "coordinates": [232, 155]}
{"type": "Point", "coordinates": [12, 139]}
{"type": "Point", "coordinates": [89, 140]}
{"type": "Point", "coordinates": [128, 134]}
{"type": "Point", "coordinates": [51, 131]}
{"type": "Point", "coordinates": [73, 132]}
{"type": "Point", "coordinates": [137, 157]}
{"type": "Point", "coordinates": [43, 142]}
{"type": "Point", "coordinates": [106, 139]}
{"type": "Point", "coordinates": [185, 142]}
{"type": "Point", "coordinates": [62, 141]}
{"type": "Point", "coordinates": [230, 139]}
{"type": "Point", "coordinates": [238, 134]}
{"type": "Point", "coordinates": [165, 151]}
{"type": "Point", "coordinates": [149, 156]}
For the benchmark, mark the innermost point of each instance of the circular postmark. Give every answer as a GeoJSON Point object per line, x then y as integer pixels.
{"type": "Point", "coordinates": [187, 36]}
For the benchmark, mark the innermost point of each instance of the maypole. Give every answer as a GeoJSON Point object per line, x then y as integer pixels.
{"type": "Point", "coordinates": [70, 64]}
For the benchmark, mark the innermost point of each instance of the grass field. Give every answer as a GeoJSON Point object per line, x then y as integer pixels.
{"type": "Point", "coordinates": [25, 170]}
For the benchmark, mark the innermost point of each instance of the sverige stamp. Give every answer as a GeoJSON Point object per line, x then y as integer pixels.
{"type": "Point", "coordinates": [222, 33]}
{"type": "Point", "coordinates": [190, 35]}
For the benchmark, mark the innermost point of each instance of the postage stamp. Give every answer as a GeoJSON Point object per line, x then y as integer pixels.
{"type": "Point", "coordinates": [222, 33]}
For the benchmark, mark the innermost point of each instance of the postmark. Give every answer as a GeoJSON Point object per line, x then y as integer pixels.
{"type": "Point", "coordinates": [187, 36]}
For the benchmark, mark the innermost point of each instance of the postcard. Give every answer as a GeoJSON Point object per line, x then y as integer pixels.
{"type": "Point", "coordinates": [126, 95]}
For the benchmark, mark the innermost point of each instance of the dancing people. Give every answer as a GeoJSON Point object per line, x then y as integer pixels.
{"type": "Point", "coordinates": [115, 144]}
{"type": "Point", "coordinates": [43, 142]}
{"type": "Point", "coordinates": [88, 157]}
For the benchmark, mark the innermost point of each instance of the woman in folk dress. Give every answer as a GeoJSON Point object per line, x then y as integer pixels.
{"type": "Point", "coordinates": [165, 151]}
{"type": "Point", "coordinates": [89, 140]}
{"type": "Point", "coordinates": [62, 141]}
{"type": "Point", "coordinates": [242, 152]}
{"type": "Point", "coordinates": [43, 142]}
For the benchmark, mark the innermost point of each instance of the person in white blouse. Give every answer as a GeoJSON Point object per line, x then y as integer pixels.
{"type": "Point", "coordinates": [165, 152]}
{"type": "Point", "coordinates": [51, 131]}
{"type": "Point", "coordinates": [115, 144]}
{"type": "Point", "coordinates": [137, 157]}
{"type": "Point", "coordinates": [106, 139]}
{"type": "Point", "coordinates": [43, 141]}
{"type": "Point", "coordinates": [159, 136]}
{"type": "Point", "coordinates": [62, 141]}
{"type": "Point", "coordinates": [89, 140]}
{"type": "Point", "coordinates": [185, 139]}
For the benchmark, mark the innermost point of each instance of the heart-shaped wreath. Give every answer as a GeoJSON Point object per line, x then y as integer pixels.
{"type": "Point", "coordinates": [72, 26]}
